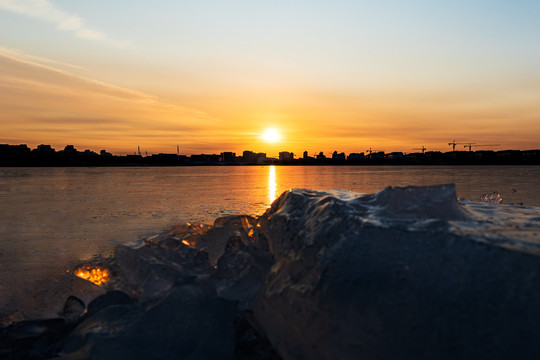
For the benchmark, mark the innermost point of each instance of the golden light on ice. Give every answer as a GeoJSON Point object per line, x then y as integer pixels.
{"type": "Point", "coordinates": [271, 135]}
{"type": "Point", "coordinates": [96, 275]}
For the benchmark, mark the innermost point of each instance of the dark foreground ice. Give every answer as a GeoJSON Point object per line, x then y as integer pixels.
{"type": "Point", "coordinates": [406, 273]}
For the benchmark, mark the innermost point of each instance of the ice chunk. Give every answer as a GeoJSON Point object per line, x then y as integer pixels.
{"type": "Point", "coordinates": [421, 202]}
{"type": "Point", "coordinates": [73, 309]}
{"type": "Point", "coordinates": [350, 281]}
{"type": "Point", "coordinates": [188, 322]}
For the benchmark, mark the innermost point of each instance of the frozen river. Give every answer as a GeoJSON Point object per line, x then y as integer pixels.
{"type": "Point", "coordinates": [54, 217]}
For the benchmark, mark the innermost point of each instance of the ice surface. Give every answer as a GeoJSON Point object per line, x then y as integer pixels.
{"type": "Point", "coordinates": [404, 273]}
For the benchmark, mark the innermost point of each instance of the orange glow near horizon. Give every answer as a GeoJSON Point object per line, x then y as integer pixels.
{"type": "Point", "coordinates": [62, 109]}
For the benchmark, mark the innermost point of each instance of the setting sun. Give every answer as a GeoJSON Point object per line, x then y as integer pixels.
{"type": "Point", "coordinates": [271, 135]}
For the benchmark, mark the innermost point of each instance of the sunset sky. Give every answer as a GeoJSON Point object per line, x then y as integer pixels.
{"type": "Point", "coordinates": [214, 75]}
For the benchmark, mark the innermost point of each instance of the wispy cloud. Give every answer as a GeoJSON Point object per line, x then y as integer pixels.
{"type": "Point", "coordinates": [46, 11]}
{"type": "Point", "coordinates": [43, 104]}
{"type": "Point", "coordinates": [13, 61]}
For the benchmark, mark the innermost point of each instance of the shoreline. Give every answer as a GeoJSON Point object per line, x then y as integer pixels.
{"type": "Point", "coordinates": [275, 163]}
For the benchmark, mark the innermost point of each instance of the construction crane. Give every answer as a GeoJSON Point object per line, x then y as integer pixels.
{"type": "Point", "coordinates": [454, 143]}
{"type": "Point", "coordinates": [422, 148]}
{"type": "Point", "coordinates": [471, 145]}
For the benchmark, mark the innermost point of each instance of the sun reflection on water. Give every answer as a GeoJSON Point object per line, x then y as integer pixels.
{"type": "Point", "coordinates": [271, 183]}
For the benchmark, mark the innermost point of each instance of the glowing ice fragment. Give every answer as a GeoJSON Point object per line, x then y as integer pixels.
{"type": "Point", "coordinates": [494, 198]}
{"type": "Point", "coordinates": [95, 275]}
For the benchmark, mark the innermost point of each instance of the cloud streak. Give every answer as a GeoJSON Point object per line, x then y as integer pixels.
{"type": "Point", "coordinates": [45, 11]}
{"type": "Point", "coordinates": [22, 56]}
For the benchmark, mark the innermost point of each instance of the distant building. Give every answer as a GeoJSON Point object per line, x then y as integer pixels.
{"type": "Point", "coordinates": [228, 157]}
{"type": "Point", "coordinates": [321, 156]}
{"type": "Point", "coordinates": [70, 150]}
{"type": "Point", "coordinates": [45, 149]}
{"type": "Point", "coordinates": [414, 158]}
{"type": "Point", "coordinates": [251, 157]}
{"type": "Point", "coordinates": [21, 149]}
{"type": "Point", "coordinates": [434, 156]}
{"type": "Point", "coordinates": [509, 156]}
{"type": "Point", "coordinates": [338, 156]}
{"type": "Point", "coordinates": [89, 152]}
{"type": "Point", "coordinates": [14, 152]}
{"type": "Point", "coordinates": [457, 156]}
{"type": "Point", "coordinates": [286, 156]}
{"type": "Point", "coordinates": [134, 157]}
{"type": "Point", "coordinates": [307, 157]}
{"type": "Point", "coordinates": [205, 158]}
{"type": "Point", "coordinates": [105, 153]}
{"type": "Point", "coordinates": [376, 155]}
{"type": "Point", "coordinates": [531, 156]}
{"type": "Point", "coordinates": [164, 158]}
{"type": "Point", "coordinates": [356, 156]}
{"type": "Point", "coordinates": [485, 156]}
{"type": "Point", "coordinates": [398, 155]}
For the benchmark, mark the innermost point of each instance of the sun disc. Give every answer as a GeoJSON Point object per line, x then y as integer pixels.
{"type": "Point", "coordinates": [271, 135]}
